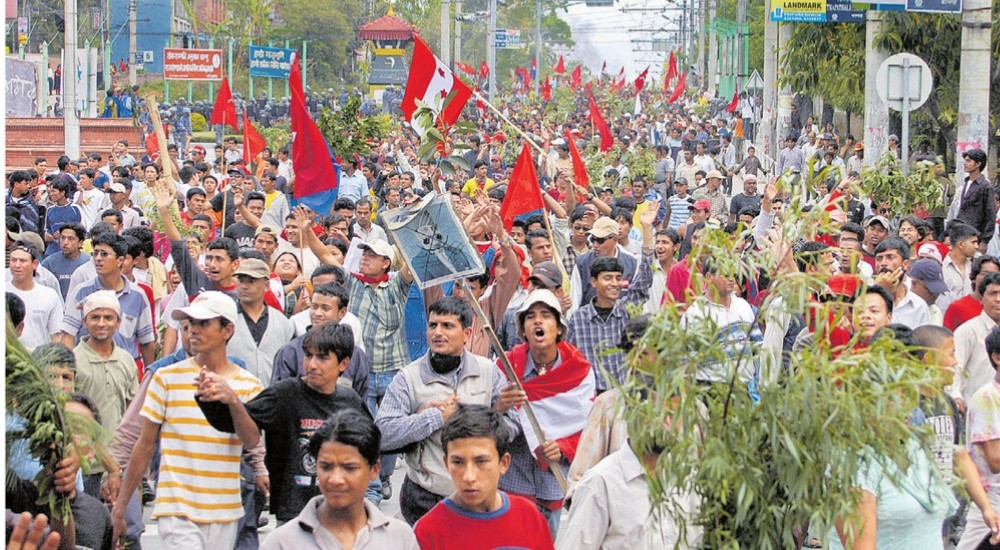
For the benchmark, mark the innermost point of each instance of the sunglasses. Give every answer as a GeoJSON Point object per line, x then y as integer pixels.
{"type": "Point", "coordinates": [599, 240]}
{"type": "Point", "coordinates": [102, 253]}
{"type": "Point", "coordinates": [580, 228]}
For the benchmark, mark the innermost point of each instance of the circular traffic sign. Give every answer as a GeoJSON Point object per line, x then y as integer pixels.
{"type": "Point", "coordinates": [904, 74]}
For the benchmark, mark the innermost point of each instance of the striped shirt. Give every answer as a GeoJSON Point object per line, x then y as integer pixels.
{"type": "Point", "coordinates": [199, 465]}
{"type": "Point", "coordinates": [679, 211]}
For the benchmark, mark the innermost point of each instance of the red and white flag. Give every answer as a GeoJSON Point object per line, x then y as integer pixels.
{"type": "Point", "coordinates": [431, 81]}
{"type": "Point", "coordinates": [640, 81]}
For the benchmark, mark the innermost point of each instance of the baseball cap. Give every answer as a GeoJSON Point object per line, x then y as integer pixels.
{"type": "Point", "coordinates": [930, 251]}
{"type": "Point", "coordinates": [208, 305]}
{"type": "Point", "coordinates": [880, 219]}
{"type": "Point", "coordinates": [548, 274]}
{"type": "Point", "coordinates": [681, 181]}
{"type": "Point", "coordinates": [539, 296]}
{"type": "Point", "coordinates": [929, 272]}
{"type": "Point", "coordinates": [860, 146]}
{"type": "Point", "coordinates": [701, 204]}
{"type": "Point", "coordinates": [379, 247]}
{"type": "Point", "coordinates": [843, 285]}
{"type": "Point", "coordinates": [198, 149]}
{"type": "Point", "coordinates": [713, 174]}
{"type": "Point", "coordinates": [267, 229]}
{"type": "Point", "coordinates": [116, 188]}
{"type": "Point", "coordinates": [237, 169]}
{"type": "Point", "coordinates": [605, 227]}
{"type": "Point", "coordinates": [102, 299]}
{"type": "Point", "coordinates": [253, 267]}
{"type": "Point", "coordinates": [34, 239]}
{"type": "Point", "coordinates": [893, 137]}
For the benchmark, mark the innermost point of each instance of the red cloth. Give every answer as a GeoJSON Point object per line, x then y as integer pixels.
{"type": "Point", "coordinates": [672, 66]}
{"type": "Point", "coordinates": [484, 69]}
{"type": "Point", "coordinates": [430, 79]}
{"type": "Point", "coordinates": [579, 168]}
{"type": "Point", "coordinates": [641, 81]}
{"type": "Point", "coordinates": [576, 79]}
{"type": "Point", "coordinates": [607, 142]}
{"type": "Point", "coordinates": [315, 174]}
{"type": "Point", "coordinates": [546, 89]}
{"type": "Point", "coordinates": [465, 68]}
{"type": "Point", "coordinates": [523, 194]}
{"type": "Point", "coordinates": [368, 279]}
{"type": "Point", "coordinates": [224, 110]}
{"type": "Point", "coordinates": [253, 142]}
{"type": "Point", "coordinates": [272, 300]}
{"type": "Point", "coordinates": [560, 67]}
{"type": "Point", "coordinates": [679, 90]}
{"type": "Point", "coordinates": [961, 310]}
{"type": "Point", "coordinates": [731, 108]}
{"type": "Point", "coordinates": [517, 525]}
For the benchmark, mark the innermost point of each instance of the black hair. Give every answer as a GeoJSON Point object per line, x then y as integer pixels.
{"type": "Point", "coordinates": [334, 338]}
{"type": "Point", "coordinates": [452, 305]}
{"type": "Point", "coordinates": [884, 294]}
{"type": "Point", "coordinates": [671, 234]}
{"type": "Point", "coordinates": [894, 243]}
{"type": "Point", "coordinates": [133, 247]}
{"type": "Point", "coordinates": [479, 163]}
{"type": "Point", "coordinates": [497, 193]}
{"type": "Point", "coordinates": [751, 211]}
{"type": "Point", "coordinates": [851, 227]}
{"type": "Point", "coordinates": [185, 174]}
{"type": "Point", "coordinates": [633, 331]}
{"type": "Point", "coordinates": [349, 427]}
{"type": "Point", "coordinates": [923, 228]}
{"type": "Point", "coordinates": [336, 290]}
{"type": "Point", "coordinates": [331, 219]}
{"type": "Point", "coordinates": [145, 237]}
{"type": "Point", "coordinates": [620, 212]}
{"type": "Point", "coordinates": [18, 176]}
{"type": "Point", "coordinates": [902, 334]}
{"type": "Point", "coordinates": [228, 245]}
{"type": "Point", "coordinates": [112, 212]}
{"type": "Point", "coordinates": [958, 231]}
{"type": "Point", "coordinates": [75, 227]}
{"type": "Point", "coordinates": [578, 214]}
{"type": "Point", "coordinates": [930, 337]}
{"type": "Point", "coordinates": [255, 196]}
{"type": "Point", "coordinates": [993, 344]}
{"type": "Point", "coordinates": [343, 203]}
{"type": "Point", "coordinates": [150, 164]}
{"type": "Point", "coordinates": [15, 309]}
{"type": "Point", "coordinates": [66, 185]}
{"type": "Point", "coordinates": [89, 172]}
{"type": "Point", "coordinates": [977, 265]}
{"type": "Point", "coordinates": [86, 401]}
{"type": "Point", "coordinates": [522, 224]}
{"type": "Point", "coordinates": [991, 278]}
{"type": "Point", "coordinates": [537, 218]}
{"type": "Point", "coordinates": [810, 253]}
{"type": "Point", "coordinates": [327, 269]}
{"type": "Point", "coordinates": [474, 421]}
{"type": "Point", "coordinates": [195, 191]}
{"type": "Point", "coordinates": [337, 242]}
{"type": "Point", "coordinates": [628, 203]}
{"type": "Point", "coordinates": [102, 227]}
{"type": "Point", "coordinates": [483, 279]}
{"type": "Point", "coordinates": [535, 234]}
{"type": "Point", "coordinates": [202, 218]}
{"type": "Point", "coordinates": [53, 353]}
{"type": "Point", "coordinates": [252, 253]}
{"type": "Point", "coordinates": [111, 240]}
{"type": "Point", "coordinates": [605, 264]}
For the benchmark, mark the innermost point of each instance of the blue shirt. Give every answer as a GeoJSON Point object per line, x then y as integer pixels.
{"type": "Point", "coordinates": [63, 268]}
{"type": "Point", "coordinates": [55, 218]}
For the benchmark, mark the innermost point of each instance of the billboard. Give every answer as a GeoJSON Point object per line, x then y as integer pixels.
{"type": "Point", "coordinates": [20, 88]}
{"type": "Point", "coordinates": [182, 64]}
{"type": "Point", "coordinates": [388, 67]}
{"type": "Point", "coordinates": [270, 62]}
{"type": "Point", "coordinates": [802, 11]}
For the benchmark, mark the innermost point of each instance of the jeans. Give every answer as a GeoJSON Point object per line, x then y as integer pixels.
{"type": "Point", "coordinates": [378, 382]}
{"type": "Point", "coordinates": [415, 501]}
{"type": "Point", "coordinates": [552, 517]}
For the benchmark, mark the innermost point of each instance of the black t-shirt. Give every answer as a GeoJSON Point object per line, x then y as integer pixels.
{"type": "Point", "coordinates": [242, 233]}
{"type": "Point", "coordinates": [741, 201]}
{"type": "Point", "coordinates": [289, 412]}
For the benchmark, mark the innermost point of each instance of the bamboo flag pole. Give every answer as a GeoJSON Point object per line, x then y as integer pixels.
{"type": "Point", "coordinates": [509, 370]}
{"type": "Point", "coordinates": [167, 167]}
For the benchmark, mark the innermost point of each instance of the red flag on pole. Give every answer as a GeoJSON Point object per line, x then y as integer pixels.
{"type": "Point", "coordinates": [523, 194]}
{"type": "Point", "coordinates": [616, 84]}
{"type": "Point", "coordinates": [672, 66]}
{"type": "Point", "coordinates": [560, 66]}
{"type": "Point", "coordinates": [546, 89]}
{"type": "Point", "coordinates": [579, 168]}
{"type": "Point", "coordinates": [465, 68]}
{"type": "Point", "coordinates": [621, 73]}
{"type": "Point", "coordinates": [735, 103]}
{"type": "Point", "coordinates": [253, 142]}
{"type": "Point", "coordinates": [600, 125]}
{"type": "Point", "coordinates": [577, 77]}
{"type": "Point", "coordinates": [431, 82]}
{"type": "Point", "coordinates": [484, 69]}
{"type": "Point", "coordinates": [312, 162]}
{"type": "Point", "coordinates": [679, 90]}
{"type": "Point", "coordinates": [641, 81]}
{"type": "Point", "coordinates": [224, 110]}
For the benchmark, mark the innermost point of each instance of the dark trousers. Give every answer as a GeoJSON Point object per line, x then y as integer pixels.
{"type": "Point", "coordinates": [415, 501]}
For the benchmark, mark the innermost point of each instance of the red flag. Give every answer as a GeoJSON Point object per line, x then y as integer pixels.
{"type": "Point", "coordinates": [579, 168]}
{"type": "Point", "coordinates": [480, 105]}
{"type": "Point", "coordinates": [484, 69]}
{"type": "Point", "coordinates": [546, 90]}
{"type": "Point", "coordinates": [312, 162]}
{"type": "Point", "coordinates": [679, 90]}
{"type": "Point", "coordinates": [576, 77]}
{"type": "Point", "coordinates": [641, 81]}
{"type": "Point", "coordinates": [465, 68]}
{"type": "Point", "coordinates": [666, 86]}
{"type": "Point", "coordinates": [734, 103]}
{"type": "Point", "coordinates": [617, 84]}
{"type": "Point", "coordinates": [621, 73]}
{"type": "Point", "coordinates": [672, 66]}
{"type": "Point", "coordinates": [560, 66]}
{"type": "Point", "coordinates": [253, 142]}
{"type": "Point", "coordinates": [523, 194]}
{"type": "Point", "coordinates": [431, 81]}
{"type": "Point", "coordinates": [600, 125]}
{"type": "Point", "coordinates": [224, 111]}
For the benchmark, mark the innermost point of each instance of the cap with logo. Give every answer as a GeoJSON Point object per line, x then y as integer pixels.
{"type": "Point", "coordinates": [548, 274]}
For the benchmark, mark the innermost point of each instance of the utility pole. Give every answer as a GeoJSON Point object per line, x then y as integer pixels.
{"type": "Point", "coordinates": [132, 30]}
{"type": "Point", "coordinates": [458, 30]}
{"type": "Point", "coordinates": [71, 120]}
{"type": "Point", "coordinates": [444, 54]}
{"type": "Point", "coordinates": [743, 49]}
{"type": "Point", "coordinates": [538, 43]}
{"type": "Point", "coordinates": [701, 44]}
{"type": "Point", "coordinates": [713, 50]}
{"type": "Point", "coordinates": [784, 122]}
{"type": "Point", "coordinates": [974, 87]}
{"type": "Point", "coordinates": [876, 111]}
{"type": "Point", "coordinates": [491, 49]}
{"type": "Point", "coordinates": [769, 107]}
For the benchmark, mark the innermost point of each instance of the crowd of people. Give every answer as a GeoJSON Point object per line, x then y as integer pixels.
{"type": "Point", "coordinates": [248, 353]}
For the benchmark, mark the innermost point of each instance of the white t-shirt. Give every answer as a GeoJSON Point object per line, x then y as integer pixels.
{"type": "Point", "coordinates": [43, 310]}
{"type": "Point", "coordinates": [94, 202]}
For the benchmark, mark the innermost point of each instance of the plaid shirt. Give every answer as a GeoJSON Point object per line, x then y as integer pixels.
{"type": "Point", "coordinates": [380, 311]}
{"type": "Point", "coordinates": [596, 337]}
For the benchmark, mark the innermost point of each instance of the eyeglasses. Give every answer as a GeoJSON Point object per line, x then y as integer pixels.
{"type": "Point", "coordinates": [580, 228]}
{"type": "Point", "coordinates": [102, 253]}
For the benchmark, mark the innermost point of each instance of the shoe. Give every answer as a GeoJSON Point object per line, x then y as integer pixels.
{"type": "Point", "coordinates": [147, 493]}
{"type": "Point", "coordinates": [386, 489]}
{"type": "Point", "coordinates": [263, 521]}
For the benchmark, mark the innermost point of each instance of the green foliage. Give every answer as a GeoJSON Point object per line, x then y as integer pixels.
{"type": "Point", "coordinates": [198, 122]}
{"type": "Point", "coordinates": [277, 136]}
{"type": "Point", "coordinates": [348, 135]}
{"type": "Point", "coordinates": [765, 471]}
{"type": "Point", "coordinates": [886, 182]}
{"type": "Point", "coordinates": [827, 61]}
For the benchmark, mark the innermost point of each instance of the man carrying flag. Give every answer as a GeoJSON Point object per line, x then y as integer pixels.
{"type": "Point", "coordinates": [432, 82]}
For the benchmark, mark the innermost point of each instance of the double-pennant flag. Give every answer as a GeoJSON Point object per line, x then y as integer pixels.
{"type": "Point", "coordinates": [432, 82]}
{"type": "Point", "coordinates": [316, 176]}
{"type": "Point", "coordinates": [524, 195]}
{"type": "Point", "coordinates": [600, 125]}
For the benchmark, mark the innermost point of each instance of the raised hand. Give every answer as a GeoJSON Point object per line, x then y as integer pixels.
{"type": "Point", "coordinates": [649, 215]}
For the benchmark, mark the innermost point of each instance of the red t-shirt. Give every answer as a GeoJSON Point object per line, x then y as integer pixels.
{"type": "Point", "coordinates": [961, 310]}
{"type": "Point", "coordinates": [516, 525]}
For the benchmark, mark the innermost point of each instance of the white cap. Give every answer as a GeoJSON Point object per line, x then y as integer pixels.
{"type": "Point", "coordinates": [208, 305]}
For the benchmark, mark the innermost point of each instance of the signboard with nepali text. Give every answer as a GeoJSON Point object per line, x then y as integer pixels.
{"type": "Point", "coordinates": [184, 64]}
{"type": "Point", "coordinates": [270, 62]}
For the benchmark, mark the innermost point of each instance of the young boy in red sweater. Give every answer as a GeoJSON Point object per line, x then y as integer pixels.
{"type": "Point", "coordinates": [478, 515]}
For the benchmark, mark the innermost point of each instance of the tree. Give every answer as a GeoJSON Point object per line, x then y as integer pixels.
{"type": "Point", "coordinates": [330, 27]}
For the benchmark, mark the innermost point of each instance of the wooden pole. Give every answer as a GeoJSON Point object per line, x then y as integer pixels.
{"type": "Point", "coordinates": [509, 370]}
{"type": "Point", "coordinates": [161, 138]}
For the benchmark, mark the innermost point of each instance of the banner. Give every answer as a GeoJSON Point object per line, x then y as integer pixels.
{"type": "Point", "coordinates": [181, 64]}
{"type": "Point", "coordinates": [270, 62]}
{"type": "Point", "coordinates": [20, 88]}
{"type": "Point", "coordinates": [388, 67]}
{"type": "Point", "coordinates": [804, 11]}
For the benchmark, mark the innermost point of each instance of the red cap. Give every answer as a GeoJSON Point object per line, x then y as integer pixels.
{"type": "Point", "coordinates": [844, 284]}
{"type": "Point", "coordinates": [198, 149]}
{"type": "Point", "coordinates": [701, 204]}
